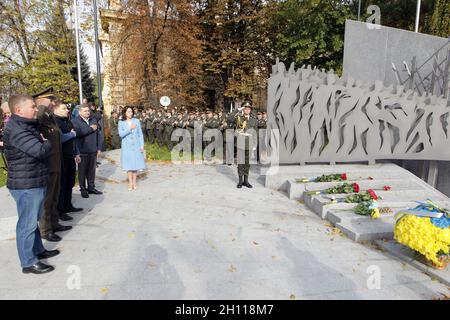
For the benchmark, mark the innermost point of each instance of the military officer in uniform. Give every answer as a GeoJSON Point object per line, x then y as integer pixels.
{"type": "Point", "coordinates": [49, 222]}
{"type": "Point", "coordinates": [243, 124]}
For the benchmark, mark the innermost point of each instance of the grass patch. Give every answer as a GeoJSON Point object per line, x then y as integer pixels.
{"type": "Point", "coordinates": [154, 152]}
{"type": "Point", "coordinates": [2, 173]}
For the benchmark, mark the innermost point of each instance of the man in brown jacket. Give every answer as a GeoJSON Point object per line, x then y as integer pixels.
{"type": "Point", "coordinates": [49, 223]}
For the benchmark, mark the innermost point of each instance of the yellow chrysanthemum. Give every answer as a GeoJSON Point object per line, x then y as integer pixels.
{"type": "Point", "coordinates": [421, 235]}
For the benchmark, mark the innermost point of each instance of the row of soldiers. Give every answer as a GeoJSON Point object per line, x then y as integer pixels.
{"type": "Point", "coordinates": [159, 124]}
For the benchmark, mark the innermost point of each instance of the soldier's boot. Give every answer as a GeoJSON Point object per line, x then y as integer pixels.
{"type": "Point", "coordinates": [240, 182]}
{"type": "Point", "coordinates": [248, 185]}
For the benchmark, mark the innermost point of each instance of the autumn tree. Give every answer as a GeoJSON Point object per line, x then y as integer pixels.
{"type": "Point", "coordinates": [233, 55]}
{"type": "Point", "coordinates": [160, 42]}
{"type": "Point", "coordinates": [19, 42]}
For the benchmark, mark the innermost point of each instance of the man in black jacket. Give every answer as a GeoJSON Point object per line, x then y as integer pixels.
{"type": "Point", "coordinates": [27, 152]}
{"type": "Point", "coordinates": [71, 157]}
{"type": "Point", "coordinates": [87, 143]}
{"type": "Point", "coordinates": [49, 222]}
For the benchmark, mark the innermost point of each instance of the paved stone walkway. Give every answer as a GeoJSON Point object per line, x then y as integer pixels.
{"type": "Point", "coordinates": [188, 233]}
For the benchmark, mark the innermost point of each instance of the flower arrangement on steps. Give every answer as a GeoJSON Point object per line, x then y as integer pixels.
{"type": "Point", "coordinates": [367, 200]}
{"type": "Point", "coordinates": [345, 188]}
{"type": "Point", "coordinates": [324, 178]}
{"type": "Point", "coordinates": [426, 230]}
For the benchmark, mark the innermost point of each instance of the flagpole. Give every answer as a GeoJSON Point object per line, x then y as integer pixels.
{"type": "Point", "coordinates": [97, 57]}
{"type": "Point", "coordinates": [77, 40]}
{"type": "Point", "coordinates": [359, 10]}
{"type": "Point", "coordinates": [416, 29]}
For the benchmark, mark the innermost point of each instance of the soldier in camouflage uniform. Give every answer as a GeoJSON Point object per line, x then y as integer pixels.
{"type": "Point", "coordinates": [260, 125]}
{"type": "Point", "coordinates": [229, 137]}
{"type": "Point", "coordinates": [191, 128]}
{"type": "Point", "coordinates": [151, 125]}
{"type": "Point", "coordinates": [211, 123]}
{"type": "Point", "coordinates": [160, 124]}
{"type": "Point", "coordinates": [168, 129]}
{"type": "Point", "coordinates": [243, 123]}
{"type": "Point", "coordinates": [114, 131]}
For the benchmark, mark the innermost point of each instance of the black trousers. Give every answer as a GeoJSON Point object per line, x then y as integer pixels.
{"type": "Point", "coordinates": [67, 184]}
{"type": "Point", "coordinates": [86, 171]}
{"type": "Point", "coordinates": [50, 218]}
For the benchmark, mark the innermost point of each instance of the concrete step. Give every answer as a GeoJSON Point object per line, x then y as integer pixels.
{"type": "Point", "coordinates": [277, 179]}
{"type": "Point", "coordinates": [296, 190]}
{"type": "Point", "coordinates": [320, 204]}
{"type": "Point", "coordinates": [408, 255]}
{"type": "Point", "coordinates": [366, 229]}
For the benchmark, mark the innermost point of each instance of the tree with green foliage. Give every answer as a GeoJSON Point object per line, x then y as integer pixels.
{"type": "Point", "coordinates": [89, 87]}
{"type": "Point", "coordinates": [439, 24]}
{"type": "Point", "coordinates": [309, 32]}
{"type": "Point", "coordinates": [57, 56]}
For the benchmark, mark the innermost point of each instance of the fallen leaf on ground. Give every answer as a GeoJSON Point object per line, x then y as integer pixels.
{"type": "Point", "coordinates": [292, 297]}
{"type": "Point", "coordinates": [104, 290]}
{"type": "Point", "coordinates": [232, 268]}
{"type": "Point", "coordinates": [131, 235]}
{"type": "Point", "coordinates": [255, 243]}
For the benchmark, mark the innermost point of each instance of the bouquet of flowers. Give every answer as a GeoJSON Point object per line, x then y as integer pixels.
{"type": "Point", "coordinates": [324, 178]}
{"type": "Point", "coordinates": [343, 188]}
{"type": "Point", "coordinates": [368, 208]}
{"type": "Point", "coordinates": [366, 196]}
{"type": "Point", "coordinates": [425, 229]}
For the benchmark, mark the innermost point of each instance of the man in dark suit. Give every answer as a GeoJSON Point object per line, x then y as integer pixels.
{"type": "Point", "coordinates": [71, 158]}
{"type": "Point", "coordinates": [87, 142]}
{"type": "Point", "coordinates": [49, 222]}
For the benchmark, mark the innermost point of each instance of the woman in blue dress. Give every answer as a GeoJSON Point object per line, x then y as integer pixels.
{"type": "Point", "coordinates": [132, 156]}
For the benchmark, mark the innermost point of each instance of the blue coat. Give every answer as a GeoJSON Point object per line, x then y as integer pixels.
{"type": "Point", "coordinates": [132, 159]}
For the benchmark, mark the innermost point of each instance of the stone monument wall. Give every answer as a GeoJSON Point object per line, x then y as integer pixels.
{"type": "Point", "coordinates": [324, 118]}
